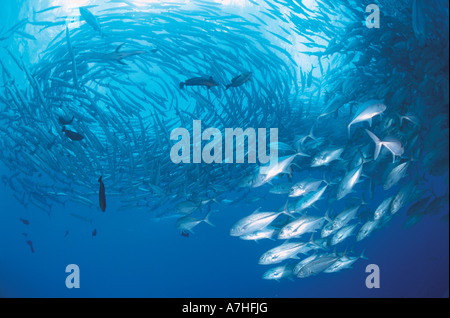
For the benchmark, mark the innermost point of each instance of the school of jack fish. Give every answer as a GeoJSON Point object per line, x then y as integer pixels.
{"type": "Point", "coordinates": [362, 114]}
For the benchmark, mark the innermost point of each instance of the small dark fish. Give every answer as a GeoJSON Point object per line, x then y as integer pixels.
{"type": "Point", "coordinates": [26, 222]}
{"type": "Point", "coordinates": [412, 220]}
{"type": "Point", "coordinates": [67, 233]}
{"type": "Point", "coordinates": [185, 234]}
{"type": "Point", "coordinates": [239, 80]}
{"type": "Point", "coordinates": [72, 135]}
{"type": "Point", "coordinates": [418, 208]}
{"type": "Point", "coordinates": [101, 195]}
{"type": "Point", "coordinates": [199, 81]}
{"type": "Point", "coordinates": [64, 121]}
{"type": "Point", "coordinates": [31, 246]}
{"type": "Point", "coordinates": [118, 56]}
{"type": "Point", "coordinates": [94, 232]}
{"type": "Point", "coordinates": [82, 218]}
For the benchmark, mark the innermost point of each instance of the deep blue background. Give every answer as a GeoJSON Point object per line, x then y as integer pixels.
{"type": "Point", "coordinates": [134, 256]}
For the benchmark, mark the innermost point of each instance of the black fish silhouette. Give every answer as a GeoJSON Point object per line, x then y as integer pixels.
{"type": "Point", "coordinates": [199, 81]}
{"type": "Point", "coordinates": [72, 135]}
{"type": "Point", "coordinates": [118, 55]}
{"type": "Point", "coordinates": [239, 80]}
{"type": "Point", "coordinates": [101, 195]}
{"type": "Point", "coordinates": [64, 121]}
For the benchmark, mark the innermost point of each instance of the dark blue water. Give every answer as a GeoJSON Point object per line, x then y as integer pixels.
{"type": "Point", "coordinates": [134, 255]}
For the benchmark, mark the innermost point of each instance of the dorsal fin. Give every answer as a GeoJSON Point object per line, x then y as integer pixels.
{"type": "Point", "coordinates": [118, 48]}
{"type": "Point", "coordinates": [257, 210]}
{"type": "Point", "coordinates": [235, 78]}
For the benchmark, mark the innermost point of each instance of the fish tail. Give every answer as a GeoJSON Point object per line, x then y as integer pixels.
{"type": "Point", "coordinates": [312, 242]}
{"type": "Point", "coordinates": [327, 217]}
{"type": "Point", "coordinates": [311, 133]}
{"type": "Point", "coordinates": [286, 210]}
{"type": "Point", "coordinates": [206, 220]}
{"type": "Point", "coordinates": [378, 144]}
{"type": "Point", "coordinates": [181, 85]}
{"type": "Point", "coordinates": [227, 86]}
{"type": "Point", "coordinates": [362, 256]}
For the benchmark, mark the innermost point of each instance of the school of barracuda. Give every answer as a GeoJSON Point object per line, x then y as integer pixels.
{"type": "Point", "coordinates": [368, 114]}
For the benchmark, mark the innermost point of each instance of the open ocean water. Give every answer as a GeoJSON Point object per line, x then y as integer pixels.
{"type": "Point", "coordinates": [94, 89]}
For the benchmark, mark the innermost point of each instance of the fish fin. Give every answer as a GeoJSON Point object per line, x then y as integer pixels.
{"type": "Point", "coordinates": [286, 211]}
{"type": "Point", "coordinates": [362, 256]}
{"type": "Point", "coordinates": [290, 278]}
{"type": "Point", "coordinates": [378, 144]}
{"type": "Point", "coordinates": [206, 220]}
{"type": "Point", "coordinates": [257, 210]}
{"type": "Point", "coordinates": [326, 217]}
{"type": "Point", "coordinates": [121, 62]}
{"type": "Point", "coordinates": [311, 133]}
{"type": "Point", "coordinates": [63, 128]}
{"type": "Point", "coordinates": [302, 154]}
{"type": "Point", "coordinates": [215, 200]}
{"type": "Point", "coordinates": [370, 122]}
{"type": "Point", "coordinates": [118, 48]}
{"type": "Point", "coordinates": [100, 179]}
{"type": "Point", "coordinates": [329, 183]}
{"type": "Point", "coordinates": [235, 78]}
{"type": "Point", "coordinates": [311, 241]}
{"type": "Point", "coordinates": [227, 86]}
{"type": "Point", "coordinates": [209, 87]}
{"type": "Point", "coordinates": [181, 85]}
{"type": "Point", "coordinates": [401, 119]}
{"type": "Point", "coordinates": [363, 176]}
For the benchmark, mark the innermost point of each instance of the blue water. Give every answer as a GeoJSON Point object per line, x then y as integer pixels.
{"type": "Point", "coordinates": [134, 255]}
